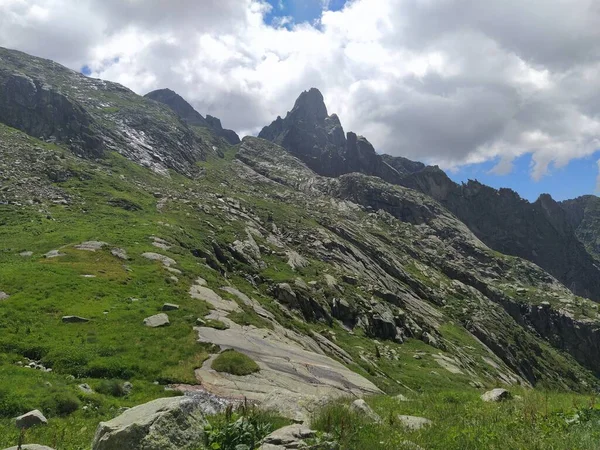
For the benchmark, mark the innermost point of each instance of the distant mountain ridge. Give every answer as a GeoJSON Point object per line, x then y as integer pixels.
{"type": "Point", "coordinates": [193, 118]}
{"type": "Point", "coordinates": [540, 231]}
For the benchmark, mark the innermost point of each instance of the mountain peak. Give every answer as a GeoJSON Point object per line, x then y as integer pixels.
{"type": "Point", "coordinates": [187, 112]}
{"type": "Point", "coordinates": [310, 105]}
{"type": "Point", "coordinates": [178, 104]}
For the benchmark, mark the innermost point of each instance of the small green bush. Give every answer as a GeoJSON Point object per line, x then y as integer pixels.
{"type": "Point", "coordinates": [113, 388]}
{"type": "Point", "coordinates": [235, 363]}
{"type": "Point", "coordinates": [61, 404]}
{"type": "Point", "coordinates": [242, 429]}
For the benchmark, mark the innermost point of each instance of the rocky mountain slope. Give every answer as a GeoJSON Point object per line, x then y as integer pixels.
{"type": "Point", "coordinates": [192, 117]}
{"type": "Point", "coordinates": [151, 260]}
{"type": "Point", "coordinates": [539, 231]}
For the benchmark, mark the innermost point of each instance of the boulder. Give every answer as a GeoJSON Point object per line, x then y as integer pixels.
{"type": "Point", "coordinates": [85, 388]}
{"type": "Point", "coordinates": [3, 295]}
{"type": "Point", "coordinates": [414, 423]}
{"type": "Point", "coordinates": [360, 407]}
{"type": "Point", "coordinates": [165, 260]}
{"type": "Point", "coordinates": [170, 307]}
{"type": "Point", "coordinates": [158, 320]}
{"type": "Point", "coordinates": [53, 254]}
{"type": "Point", "coordinates": [175, 423]}
{"type": "Point", "coordinates": [30, 419]}
{"type": "Point", "coordinates": [74, 319]}
{"type": "Point", "coordinates": [119, 253]}
{"type": "Point", "coordinates": [91, 246]}
{"type": "Point", "coordinates": [496, 395]}
{"type": "Point", "coordinates": [289, 437]}
{"type": "Point", "coordinates": [402, 398]}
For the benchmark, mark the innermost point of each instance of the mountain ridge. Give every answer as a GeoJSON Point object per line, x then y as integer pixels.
{"type": "Point", "coordinates": [538, 231]}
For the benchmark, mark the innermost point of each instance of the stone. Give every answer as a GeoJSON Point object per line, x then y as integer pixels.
{"type": "Point", "coordinates": [119, 253]}
{"type": "Point", "coordinates": [3, 295]}
{"type": "Point", "coordinates": [26, 254]}
{"type": "Point", "coordinates": [85, 388]}
{"type": "Point", "coordinates": [414, 423]}
{"type": "Point", "coordinates": [496, 395]}
{"type": "Point", "coordinates": [165, 260]}
{"type": "Point", "coordinates": [289, 437]}
{"type": "Point", "coordinates": [175, 423]}
{"type": "Point", "coordinates": [31, 419]}
{"type": "Point", "coordinates": [360, 407]}
{"type": "Point", "coordinates": [74, 319]}
{"type": "Point", "coordinates": [91, 246]}
{"type": "Point", "coordinates": [53, 254]}
{"type": "Point", "coordinates": [402, 398]}
{"type": "Point", "coordinates": [158, 320]}
{"type": "Point", "coordinates": [170, 307]}
{"type": "Point", "coordinates": [127, 387]}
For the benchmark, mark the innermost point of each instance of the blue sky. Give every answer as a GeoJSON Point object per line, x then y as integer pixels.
{"type": "Point", "coordinates": [301, 10]}
{"type": "Point", "coordinates": [576, 179]}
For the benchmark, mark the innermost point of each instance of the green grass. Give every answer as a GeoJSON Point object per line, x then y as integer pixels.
{"type": "Point", "coordinates": [235, 363]}
{"type": "Point", "coordinates": [462, 421]}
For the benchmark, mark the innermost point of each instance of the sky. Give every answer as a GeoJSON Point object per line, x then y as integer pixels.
{"type": "Point", "coordinates": [503, 91]}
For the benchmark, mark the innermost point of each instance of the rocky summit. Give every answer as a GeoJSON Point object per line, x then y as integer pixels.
{"type": "Point", "coordinates": [164, 284]}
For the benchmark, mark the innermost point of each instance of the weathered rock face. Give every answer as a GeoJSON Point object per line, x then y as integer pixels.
{"type": "Point", "coordinates": [32, 106]}
{"type": "Point", "coordinates": [583, 213]}
{"type": "Point", "coordinates": [186, 111]}
{"type": "Point", "coordinates": [540, 232]}
{"type": "Point", "coordinates": [164, 424]}
{"type": "Point", "coordinates": [47, 100]}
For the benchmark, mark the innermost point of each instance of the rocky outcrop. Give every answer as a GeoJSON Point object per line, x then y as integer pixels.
{"type": "Point", "coordinates": [175, 423]}
{"type": "Point", "coordinates": [187, 112]}
{"type": "Point", "coordinates": [583, 213]}
{"type": "Point", "coordinates": [90, 116]}
{"type": "Point", "coordinates": [539, 231]}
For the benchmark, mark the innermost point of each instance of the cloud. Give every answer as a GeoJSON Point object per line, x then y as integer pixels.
{"type": "Point", "coordinates": [450, 82]}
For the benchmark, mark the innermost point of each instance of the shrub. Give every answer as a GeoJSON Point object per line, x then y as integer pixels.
{"type": "Point", "coordinates": [113, 388]}
{"type": "Point", "coordinates": [235, 363]}
{"type": "Point", "coordinates": [61, 404]}
{"type": "Point", "coordinates": [243, 429]}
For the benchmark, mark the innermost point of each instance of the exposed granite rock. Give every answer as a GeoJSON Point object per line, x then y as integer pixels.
{"type": "Point", "coordinates": [175, 423]}
{"type": "Point", "coordinates": [496, 395]}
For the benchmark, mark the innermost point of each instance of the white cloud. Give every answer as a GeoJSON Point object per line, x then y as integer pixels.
{"type": "Point", "coordinates": [451, 82]}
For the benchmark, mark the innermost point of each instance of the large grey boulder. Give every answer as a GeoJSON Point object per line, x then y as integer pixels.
{"type": "Point", "coordinates": [159, 320]}
{"type": "Point", "coordinates": [30, 419]}
{"type": "Point", "coordinates": [175, 423]}
{"type": "Point", "coordinates": [496, 395]}
{"type": "Point", "coordinates": [289, 437]}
